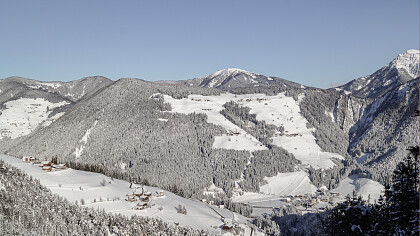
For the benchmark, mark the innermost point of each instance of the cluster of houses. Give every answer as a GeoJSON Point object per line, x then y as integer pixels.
{"type": "Point", "coordinates": [199, 100]}
{"type": "Point", "coordinates": [45, 165]}
{"type": "Point", "coordinates": [320, 201]}
{"type": "Point", "coordinates": [232, 226]}
{"type": "Point", "coordinates": [144, 198]}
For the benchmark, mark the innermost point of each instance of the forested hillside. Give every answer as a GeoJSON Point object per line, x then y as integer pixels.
{"type": "Point", "coordinates": [28, 208]}
{"type": "Point", "coordinates": [125, 132]}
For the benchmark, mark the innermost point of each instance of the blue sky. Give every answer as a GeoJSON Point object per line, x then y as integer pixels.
{"type": "Point", "coordinates": [314, 43]}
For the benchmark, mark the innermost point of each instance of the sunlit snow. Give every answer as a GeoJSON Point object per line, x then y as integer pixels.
{"type": "Point", "coordinates": [22, 116]}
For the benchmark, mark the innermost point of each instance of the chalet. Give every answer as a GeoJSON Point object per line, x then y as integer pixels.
{"type": "Point", "coordinates": [148, 194]}
{"type": "Point", "coordinates": [46, 163]}
{"type": "Point", "coordinates": [47, 168]}
{"type": "Point", "coordinates": [36, 162]}
{"type": "Point", "coordinates": [25, 159]}
{"type": "Point", "coordinates": [144, 198]}
{"type": "Point", "coordinates": [228, 225]}
{"type": "Point", "coordinates": [137, 194]}
{"type": "Point", "coordinates": [60, 166]}
{"type": "Point", "coordinates": [160, 193]}
{"type": "Point", "coordinates": [131, 198]}
{"type": "Point", "coordinates": [141, 206]}
{"type": "Point", "coordinates": [31, 158]}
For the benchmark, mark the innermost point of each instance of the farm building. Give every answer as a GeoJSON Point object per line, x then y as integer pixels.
{"type": "Point", "coordinates": [46, 163]}
{"type": "Point", "coordinates": [141, 206]}
{"type": "Point", "coordinates": [60, 166]}
{"type": "Point", "coordinates": [144, 198]}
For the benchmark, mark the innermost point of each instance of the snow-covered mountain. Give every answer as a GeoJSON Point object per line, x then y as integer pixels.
{"type": "Point", "coordinates": [230, 135]}
{"type": "Point", "coordinates": [72, 90]}
{"type": "Point", "coordinates": [403, 68]}
{"type": "Point", "coordinates": [27, 104]}
{"type": "Point", "coordinates": [232, 78]}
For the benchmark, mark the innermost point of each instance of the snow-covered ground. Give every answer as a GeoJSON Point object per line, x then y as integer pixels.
{"type": "Point", "coordinates": [362, 186]}
{"type": "Point", "coordinates": [78, 151]}
{"type": "Point", "coordinates": [292, 183]}
{"type": "Point", "coordinates": [283, 184]}
{"type": "Point", "coordinates": [211, 106]}
{"type": "Point", "coordinates": [22, 116]}
{"type": "Point", "coordinates": [76, 185]}
{"type": "Point", "coordinates": [278, 110]}
{"type": "Point", "coordinates": [281, 110]}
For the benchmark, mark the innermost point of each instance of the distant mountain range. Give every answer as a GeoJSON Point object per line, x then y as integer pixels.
{"type": "Point", "coordinates": [233, 78]}
{"type": "Point", "coordinates": [399, 71]}
{"type": "Point", "coordinates": [128, 128]}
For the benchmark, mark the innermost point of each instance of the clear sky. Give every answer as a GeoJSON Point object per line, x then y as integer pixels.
{"type": "Point", "coordinates": [314, 43]}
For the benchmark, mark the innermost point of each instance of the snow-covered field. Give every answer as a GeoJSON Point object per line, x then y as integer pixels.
{"type": "Point", "coordinates": [362, 186]}
{"type": "Point", "coordinates": [76, 185]}
{"type": "Point", "coordinates": [278, 110]}
{"type": "Point", "coordinates": [283, 184]}
{"type": "Point", "coordinates": [211, 106]}
{"type": "Point", "coordinates": [281, 110]}
{"type": "Point", "coordinates": [293, 183]}
{"type": "Point", "coordinates": [22, 116]}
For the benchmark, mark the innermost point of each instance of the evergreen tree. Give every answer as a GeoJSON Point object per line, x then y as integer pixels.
{"type": "Point", "coordinates": [403, 199]}
{"type": "Point", "coordinates": [352, 217]}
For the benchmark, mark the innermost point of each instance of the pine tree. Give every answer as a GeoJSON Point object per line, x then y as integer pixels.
{"type": "Point", "coordinates": [352, 217]}
{"type": "Point", "coordinates": [404, 196]}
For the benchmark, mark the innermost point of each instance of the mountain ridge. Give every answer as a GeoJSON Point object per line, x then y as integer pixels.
{"type": "Point", "coordinates": [403, 68]}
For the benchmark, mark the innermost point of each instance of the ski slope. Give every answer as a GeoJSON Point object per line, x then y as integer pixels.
{"type": "Point", "coordinates": [76, 185]}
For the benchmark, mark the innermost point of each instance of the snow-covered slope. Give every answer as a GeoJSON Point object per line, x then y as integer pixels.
{"type": "Point", "coordinates": [76, 185]}
{"type": "Point", "coordinates": [73, 90]}
{"type": "Point", "coordinates": [232, 78]}
{"type": "Point", "coordinates": [284, 184]}
{"type": "Point", "coordinates": [403, 68]}
{"type": "Point", "coordinates": [278, 110]}
{"type": "Point", "coordinates": [211, 106]}
{"type": "Point", "coordinates": [364, 187]}
{"type": "Point", "coordinates": [26, 104]}
{"type": "Point", "coordinates": [22, 116]}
